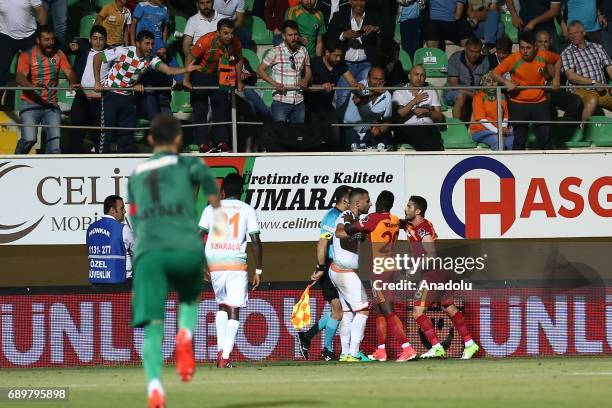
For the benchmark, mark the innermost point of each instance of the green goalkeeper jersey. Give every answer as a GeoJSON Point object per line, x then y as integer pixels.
{"type": "Point", "coordinates": [162, 195]}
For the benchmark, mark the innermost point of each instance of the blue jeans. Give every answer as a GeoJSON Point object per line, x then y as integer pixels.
{"type": "Point", "coordinates": [35, 114]}
{"type": "Point", "coordinates": [257, 105]}
{"type": "Point", "coordinates": [360, 72]}
{"type": "Point", "coordinates": [410, 31]}
{"type": "Point", "coordinates": [490, 138]}
{"type": "Point", "coordinates": [607, 38]}
{"type": "Point", "coordinates": [244, 36]}
{"type": "Point", "coordinates": [58, 10]}
{"type": "Point", "coordinates": [491, 29]}
{"type": "Point", "coordinates": [287, 112]}
{"type": "Point", "coordinates": [156, 102]}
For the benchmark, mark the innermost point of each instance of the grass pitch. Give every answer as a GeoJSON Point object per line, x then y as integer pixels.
{"type": "Point", "coordinates": [516, 383]}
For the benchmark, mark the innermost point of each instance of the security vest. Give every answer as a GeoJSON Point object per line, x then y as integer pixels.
{"type": "Point", "coordinates": [106, 251]}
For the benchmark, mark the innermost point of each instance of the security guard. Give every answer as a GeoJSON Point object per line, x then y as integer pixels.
{"type": "Point", "coordinates": [109, 244]}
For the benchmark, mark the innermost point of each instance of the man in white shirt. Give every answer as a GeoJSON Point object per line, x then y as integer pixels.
{"type": "Point", "coordinates": [369, 106]}
{"type": "Point", "coordinates": [227, 262]}
{"type": "Point", "coordinates": [419, 108]}
{"type": "Point", "coordinates": [17, 30]}
{"type": "Point", "coordinates": [200, 24]}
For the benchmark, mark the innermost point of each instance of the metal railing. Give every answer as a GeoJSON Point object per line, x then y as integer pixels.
{"type": "Point", "coordinates": [234, 122]}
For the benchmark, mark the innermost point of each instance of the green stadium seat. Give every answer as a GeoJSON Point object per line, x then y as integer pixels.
{"type": "Point", "coordinates": [397, 35]}
{"type": "Point", "coordinates": [457, 136]}
{"type": "Point", "coordinates": [86, 23]}
{"type": "Point", "coordinates": [267, 93]}
{"type": "Point", "coordinates": [510, 30]}
{"type": "Point", "coordinates": [248, 5]}
{"type": "Point", "coordinates": [443, 106]}
{"type": "Point", "coordinates": [566, 135]}
{"type": "Point", "coordinates": [13, 69]}
{"type": "Point", "coordinates": [405, 60]}
{"type": "Point", "coordinates": [179, 25]}
{"type": "Point", "coordinates": [140, 136]}
{"type": "Point", "coordinates": [406, 146]}
{"type": "Point", "coordinates": [259, 32]}
{"type": "Point", "coordinates": [98, 4]}
{"type": "Point", "coordinates": [181, 102]}
{"type": "Point", "coordinates": [434, 60]}
{"type": "Point", "coordinates": [251, 57]}
{"type": "Point", "coordinates": [600, 134]}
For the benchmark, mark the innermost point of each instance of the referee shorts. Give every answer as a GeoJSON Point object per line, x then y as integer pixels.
{"type": "Point", "coordinates": [327, 287]}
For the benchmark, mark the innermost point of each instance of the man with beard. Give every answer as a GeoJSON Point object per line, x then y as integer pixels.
{"type": "Point", "coordinates": [200, 24]}
{"type": "Point", "coordinates": [311, 24]}
{"type": "Point", "coordinates": [119, 105]}
{"type": "Point", "coordinates": [40, 67]}
{"type": "Point", "coordinates": [287, 61]}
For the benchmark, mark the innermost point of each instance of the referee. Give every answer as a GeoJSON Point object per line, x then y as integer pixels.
{"type": "Point", "coordinates": [328, 322]}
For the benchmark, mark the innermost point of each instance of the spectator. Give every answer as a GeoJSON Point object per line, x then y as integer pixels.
{"type": "Point", "coordinates": [275, 17]}
{"type": "Point", "coordinates": [87, 103]}
{"type": "Point", "coordinates": [219, 52]}
{"type": "Point", "coordinates": [465, 68]}
{"type": "Point", "coordinates": [258, 111]}
{"type": "Point", "coordinates": [116, 19]}
{"type": "Point", "coordinates": [484, 111]}
{"type": "Point", "coordinates": [586, 63]}
{"type": "Point", "coordinates": [527, 67]}
{"type": "Point", "coordinates": [364, 33]}
{"type": "Point", "coordinates": [483, 16]}
{"type": "Point", "coordinates": [420, 109]}
{"type": "Point", "coordinates": [39, 67]}
{"type": "Point", "coordinates": [18, 30]}
{"type": "Point", "coordinates": [234, 10]}
{"type": "Point", "coordinates": [410, 25]}
{"type": "Point", "coordinates": [326, 72]}
{"type": "Point", "coordinates": [395, 75]}
{"type": "Point", "coordinates": [150, 15]}
{"type": "Point", "coordinates": [446, 22]}
{"type": "Point", "coordinates": [568, 102]}
{"type": "Point", "coordinates": [155, 102]}
{"type": "Point", "coordinates": [311, 25]}
{"type": "Point", "coordinates": [605, 18]}
{"type": "Point", "coordinates": [287, 61]}
{"type": "Point", "coordinates": [369, 106]}
{"type": "Point", "coordinates": [534, 16]}
{"type": "Point", "coordinates": [118, 104]}
{"type": "Point", "coordinates": [587, 12]}
{"type": "Point", "coordinates": [331, 7]}
{"type": "Point", "coordinates": [503, 48]}
{"type": "Point", "coordinates": [58, 11]}
{"type": "Point", "coordinates": [203, 22]}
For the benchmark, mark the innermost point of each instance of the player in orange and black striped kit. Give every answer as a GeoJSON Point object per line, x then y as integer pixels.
{"type": "Point", "coordinates": [422, 235]}
{"type": "Point", "coordinates": [383, 229]}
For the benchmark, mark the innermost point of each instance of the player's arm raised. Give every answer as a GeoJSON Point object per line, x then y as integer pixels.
{"type": "Point", "coordinates": [258, 255]}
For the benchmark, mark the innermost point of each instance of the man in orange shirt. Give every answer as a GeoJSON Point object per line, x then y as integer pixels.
{"type": "Point", "coordinates": [484, 111]}
{"type": "Point", "coordinates": [40, 67]}
{"type": "Point", "coordinates": [219, 55]}
{"type": "Point", "coordinates": [527, 67]}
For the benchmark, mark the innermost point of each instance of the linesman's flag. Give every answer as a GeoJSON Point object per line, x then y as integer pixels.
{"type": "Point", "coordinates": [301, 310]}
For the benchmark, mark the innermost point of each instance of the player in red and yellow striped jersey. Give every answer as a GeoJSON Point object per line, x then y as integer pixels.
{"type": "Point", "coordinates": [422, 235]}
{"type": "Point", "coordinates": [383, 230]}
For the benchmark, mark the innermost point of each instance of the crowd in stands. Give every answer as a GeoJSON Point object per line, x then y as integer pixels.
{"type": "Point", "coordinates": [326, 60]}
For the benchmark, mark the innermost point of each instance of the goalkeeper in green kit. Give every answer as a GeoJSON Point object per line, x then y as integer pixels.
{"type": "Point", "coordinates": [168, 251]}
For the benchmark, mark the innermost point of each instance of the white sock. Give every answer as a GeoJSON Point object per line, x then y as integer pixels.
{"type": "Point", "coordinates": [469, 343]}
{"type": "Point", "coordinates": [155, 384]}
{"type": "Point", "coordinates": [357, 330]}
{"type": "Point", "coordinates": [230, 337]}
{"type": "Point", "coordinates": [436, 345]}
{"type": "Point", "coordinates": [345, 331]}
{"type": "Point", "coordinates": [381, 346]}
{"type": "Point", "coordinates": [406, 344]}
{"type": "Point", "coordinates": [221, 324]}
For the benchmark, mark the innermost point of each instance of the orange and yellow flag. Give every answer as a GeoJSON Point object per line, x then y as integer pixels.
{"type": "Point", "coordinates": [301, 310]}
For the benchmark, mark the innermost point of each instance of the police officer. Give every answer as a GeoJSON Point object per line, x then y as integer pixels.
{"type": "Point", "coordinates": [109, 244]}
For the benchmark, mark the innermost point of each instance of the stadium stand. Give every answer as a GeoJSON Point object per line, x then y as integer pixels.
{"type": "Point", "coordinates": [434, 60]}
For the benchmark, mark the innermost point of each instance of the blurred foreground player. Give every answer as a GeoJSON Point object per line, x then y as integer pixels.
{"type": "Point", "coordinates": [383, 228]}
{"type": "Point", "coordinates": [168, 251]}
{"type": "Point", "coordinates": [343, 274]}
{"type": "Point", "coordinates": [421, 235]}
{"type": "Point", "coordinates": [325, 254]}
{"type": "Point", "coordinates": [227, 262]}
